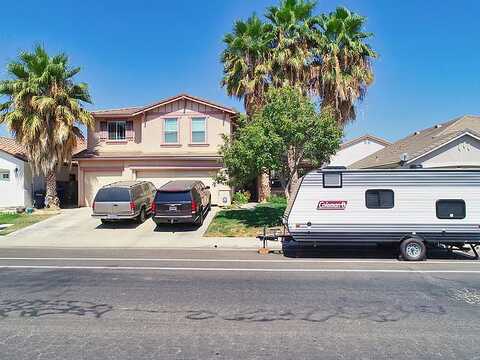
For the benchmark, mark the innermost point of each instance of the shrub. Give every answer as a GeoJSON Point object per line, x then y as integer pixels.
{"type": "Point", "coordinates": [241, 197]}
{"type": "Point", "coordinates": [277, 199]}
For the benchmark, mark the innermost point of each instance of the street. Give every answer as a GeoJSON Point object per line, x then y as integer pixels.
{"type": "Point", "coordinates": [198, 304]}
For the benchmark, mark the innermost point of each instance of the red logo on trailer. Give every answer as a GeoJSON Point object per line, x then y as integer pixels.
{"type": "Point", "coordinates": [332, 205]}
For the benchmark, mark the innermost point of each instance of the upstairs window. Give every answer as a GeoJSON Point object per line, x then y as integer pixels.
{"type": "Point", "coordinates": [199, 133]}
{"type": "Point", "coordinates": [379, 199]}
{"type": "Point", "coordinates": [4, 175]}
{"type": "Point", "coordinates": [171, 131]}
{"type": "Point", "coordinates": [117, 130]}
{"type": "Point", "coordinates": [451, 209]}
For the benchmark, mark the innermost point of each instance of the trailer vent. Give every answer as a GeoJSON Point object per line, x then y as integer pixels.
{"type": "Point", "coordinates": [332, 179]}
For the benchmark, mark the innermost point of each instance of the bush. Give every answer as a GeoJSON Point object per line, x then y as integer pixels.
{"type": "Point", "coordinates": [241, 197]}
{"type": "Point", "coordinates": [277, 199]}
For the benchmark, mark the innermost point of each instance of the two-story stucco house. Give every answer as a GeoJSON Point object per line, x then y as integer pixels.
{"type": "Point", "coordinates": [175, 138]}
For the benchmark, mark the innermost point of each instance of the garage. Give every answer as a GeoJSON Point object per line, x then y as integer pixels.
{"type": "Point", "coordinates": [95, 180]}
{"type": "Point", "coordinates": [161, 177]}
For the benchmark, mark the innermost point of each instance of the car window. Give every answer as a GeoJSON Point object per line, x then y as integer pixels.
{"type": "Point", "coordinates": [167, 196]}
{"type": "Point", "coordinates": [112, 194]}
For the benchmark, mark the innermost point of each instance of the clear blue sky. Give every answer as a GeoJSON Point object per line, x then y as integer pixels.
{"type": "Point", "coordinates": [136, 52]}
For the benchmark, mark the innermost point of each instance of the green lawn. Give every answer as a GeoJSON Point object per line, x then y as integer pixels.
{"type": "Point", "coordinates": [242, 222]}
{"type": "Point", "coordinates": [21, 220]}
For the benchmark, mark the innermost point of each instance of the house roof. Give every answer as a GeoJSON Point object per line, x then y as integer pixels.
{"type": "Point", "coordinates": [365, 137]}
{"type": "Point", "coordinates": [136, 110]}
{"type": "Point", "coordinates": [420, 142]}
{"type": "Point", "coordinates": [12, 147]}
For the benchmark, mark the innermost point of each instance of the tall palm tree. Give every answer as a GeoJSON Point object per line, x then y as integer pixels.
{"type": "Point", "coordinates": [43, 110]}
{"type": "Point", "coordinates": [246, 71]}
{"type": "Point", "coordinates": [341, 69]}
{"type": "Point", "coordinates": [245, 62]}
{"type": "Point", "coordinates": [293, 27]}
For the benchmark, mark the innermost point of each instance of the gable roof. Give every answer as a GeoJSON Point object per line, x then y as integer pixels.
{"type": "Point", "coordinates": [359, 139]}
{"type": "Point", "coordinates": [136, 110]}
{"type": "Point", "coordinates": [12, 147]}
{"type": "Point", "coordinates": [421, 142]}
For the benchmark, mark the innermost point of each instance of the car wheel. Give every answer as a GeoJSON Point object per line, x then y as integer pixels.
{"type": "Point", "coordinates": [413, 249]}
{"type": "Point", "coordinates": [141, 216]}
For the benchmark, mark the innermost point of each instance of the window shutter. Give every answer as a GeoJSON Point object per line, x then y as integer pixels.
{"type": "Point", "coordinates": [103, 130]}
{"type": "Point", "coordinates": [130, 134]}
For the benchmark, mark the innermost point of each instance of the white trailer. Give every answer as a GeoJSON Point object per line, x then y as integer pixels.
{"type": "Point", "coordinates": [411, 207]}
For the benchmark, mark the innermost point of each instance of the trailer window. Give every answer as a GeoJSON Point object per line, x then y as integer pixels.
{"type": "Point", "coordinates": [379, 199]}
{"type": "Point", "coordinates": [451, 209]}
{"type": "Point", "coordinates": [332, 180]}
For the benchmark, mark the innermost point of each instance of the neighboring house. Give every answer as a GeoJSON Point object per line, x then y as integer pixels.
{"type": "Point", "coordinates": [454, 144]}
{"type": "Point", "coordinates": [175, 138]}
{"type": "Point", "coordinates": [17, 183]}
{"type": "Point", "coordinates": [357, 149]}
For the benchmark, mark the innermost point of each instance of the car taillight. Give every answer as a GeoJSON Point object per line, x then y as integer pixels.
{"type": "Point", "coordinates": [133, 207]}
{"type": "Point", "coordinates": [154, 207]}
{"type": "Point", "coordinates": [194, 206]}
{"type": "Point", "coordinates": [93, 206]}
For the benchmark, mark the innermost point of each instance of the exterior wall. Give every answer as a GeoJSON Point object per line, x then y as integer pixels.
{"type": "Point", "coordinates": [148, 131]}
{"type": "Point", "coordinates": [355, 152]}
{"type": "Point", "coordinates": [463, 152]}
{"type": "Point", "coordinates": [16, 191]}
{"type": "Point", "coordinates": [157, 171]}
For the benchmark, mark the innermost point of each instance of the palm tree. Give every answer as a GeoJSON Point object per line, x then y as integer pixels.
{"type": "Point", "coordinates": [245, 62]}
{"type": "Point", "coordinates": [341, 69]}
{"type": "Point", "coordinates": [246, 72]}
{"type": "Point", "coordinates": [43, 110]}
{"type": "Point", "coordinates": [293, 27]}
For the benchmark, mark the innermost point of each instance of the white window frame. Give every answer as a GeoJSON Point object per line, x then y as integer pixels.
{"type": "Point", "coordinates": [170, 132]}
{"type": "Point", "coordinates": [4, 172]}
{"type": "Point", "coordinates": [204, 118]}
{"type": "Point", "coordinates": [116, 122]}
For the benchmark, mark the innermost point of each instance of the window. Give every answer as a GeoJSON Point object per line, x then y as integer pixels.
{"type": "Point", "coordinates": [116, 130]}
{"type": "Point", "coordinates": [199, 130]}
{"type": "Point", "coordinates": [332, 180]}
{"type": "Point", "coordinates": [171, 131]}
{"type": "Point", "coordinates": [451, 209]}
{"type": "Point", "coordinates": [379, 199]}
{"type": "Point", "coordinates": [4, 175]}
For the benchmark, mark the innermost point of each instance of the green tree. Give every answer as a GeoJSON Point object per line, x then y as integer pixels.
{"type": "Point", "coordinates": [43, 110]}
{"type": "Point", "coordinates": [341, 67]}
{"type": "Point", "coordinates": [245, 62]}
{"type": "Point", "coordinates": [294, 29]}
{"type": "Point", "coordinates": [286, 132]}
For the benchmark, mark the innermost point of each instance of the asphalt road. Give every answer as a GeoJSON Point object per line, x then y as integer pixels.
{"type": "Point", "coordinates": [152, 304]}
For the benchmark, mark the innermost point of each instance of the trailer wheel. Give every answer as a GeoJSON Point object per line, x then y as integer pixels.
{"type": "Point", "coordinates": [413, 249]}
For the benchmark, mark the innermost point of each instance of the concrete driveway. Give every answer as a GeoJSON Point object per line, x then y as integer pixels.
{"type": "Point", "coordinates": [76, 228]}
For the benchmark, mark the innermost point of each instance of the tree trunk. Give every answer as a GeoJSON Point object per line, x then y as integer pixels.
{"type": "Point", "coordinates": [51, 199]}
{"type": "Point", "coordinates": [293, 172]}
{"type": "Point", "coordinates": [264, 190]}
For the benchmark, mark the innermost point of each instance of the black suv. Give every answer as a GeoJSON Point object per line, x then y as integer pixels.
{"type": "Point", "coordinates": [181, 201]}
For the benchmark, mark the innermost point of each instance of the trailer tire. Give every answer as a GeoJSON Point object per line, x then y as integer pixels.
{"type": "Point", "coordinates": [413, 249]}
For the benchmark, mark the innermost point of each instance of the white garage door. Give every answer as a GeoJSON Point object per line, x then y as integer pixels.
{"type": "Point", "coordinates": [161, 177]}
{"type": "Point", "coordinates": [95, 180]}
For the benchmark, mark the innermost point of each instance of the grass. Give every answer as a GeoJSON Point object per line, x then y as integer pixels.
{"type": "Point", "coordinates": [20, 221]}
{"type": "Point", "coordinates": [246, 223]}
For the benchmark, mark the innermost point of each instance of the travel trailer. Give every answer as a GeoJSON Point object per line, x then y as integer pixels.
{"type": "Point", "coordinates": [411, 207]}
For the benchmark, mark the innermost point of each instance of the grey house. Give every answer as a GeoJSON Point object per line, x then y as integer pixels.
{"type": "Point", "coordinates": [453, 144]}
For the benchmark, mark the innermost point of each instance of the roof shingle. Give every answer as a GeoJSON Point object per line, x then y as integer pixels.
{"type": "Point", "coordinates": [419, 143]}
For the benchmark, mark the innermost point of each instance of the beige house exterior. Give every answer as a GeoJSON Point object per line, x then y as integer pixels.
{"type": "Point", "coordinates": [175, 138]}
{"type": "Point", "coordinates": [453, 144]}
{"type": "Point", "coordinates": [356, 149]}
